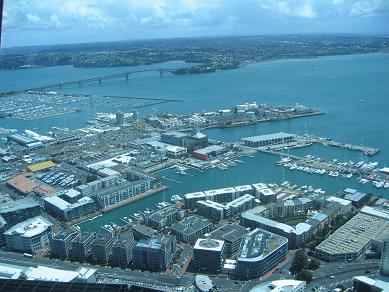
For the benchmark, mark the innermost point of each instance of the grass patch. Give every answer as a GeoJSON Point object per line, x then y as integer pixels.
{"type": "Point", "coordinates": [294, 221]}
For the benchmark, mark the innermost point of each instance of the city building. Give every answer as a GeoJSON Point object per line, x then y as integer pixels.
{"type": "Point", "coordinates": [61, 244]}
{"type": "Point", "coordinates": [232, 235]}
{"type": "Point", "coordinates": [191, 228]}
{"type": "Point", "coordinates": [268, 140]}
{"type": "Point", "coordinates": [371, 284]}
{"type": "Point", "coordinates": [101, 248]}
{"type": "Point", "coordinates": [217, 211]}
{"type": "Point", "coordinates": [143, 232]}
{"type": "Point", "coordinates": [20, 210]}
{"type": "Point", "coordinates": [358, 199]}
{"type": "Point", "coordinates": [346, 205]}
{"type": "Point", "coordinates": [167, 149]}
{"type": "Point", "coordinates": [208, 255]}
{"type": "Point", "coordinates": [384, 266]}
{"type": "Point", "coordinates": [119, 118]}
{"type": "Point", "coordinates": [154, 254]}
{"type": "Point", "coordinates": [81, 246]}
{"type": "Point", "coordinates": [164, 217]}
{"type": "Point", "coordinates": [296, 235]}
{"type": "Point", "coordinates": [59, 208]}
{"type": "Point", "coordinates": [290, 208]}
{"type": "Point", "coordinates": [122, 249]}
{"type": "Point", "coordinates": [264, 193]}
{"type": "Point", "coordinates": [287, 285]}
{"type": "Point", "coordinates": [353, 238]}
{"type": "Point", "coordinates": [210, 151]}
{"type": "Point", "coordinates": [192, 142]}
{"type": "Point", "coordinates": [30, 236]}
{"type": "Point", "coordinates": [22, 184]}
{"type": "Point", "coordinates": [3, 228]}
{"type": "Point", "coordinates": [259, 252]}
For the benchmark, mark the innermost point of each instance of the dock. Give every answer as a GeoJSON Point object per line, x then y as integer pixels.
{"type": "Point", "coordinates": [329, 142]}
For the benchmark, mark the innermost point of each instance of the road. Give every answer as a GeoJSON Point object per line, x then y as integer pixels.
{"type": "Point", "coordinates": [116, 274]}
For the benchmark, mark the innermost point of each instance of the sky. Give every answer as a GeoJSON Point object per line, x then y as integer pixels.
{"type": "Point", "coordinates": [45, 22]}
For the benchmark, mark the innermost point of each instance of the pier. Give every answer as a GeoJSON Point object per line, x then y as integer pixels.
{"type": "Point", "coordinates": [329, 142]}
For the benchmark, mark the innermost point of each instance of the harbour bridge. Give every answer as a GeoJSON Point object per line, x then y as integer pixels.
{"type": "Point", "coordinates": [98, 79]}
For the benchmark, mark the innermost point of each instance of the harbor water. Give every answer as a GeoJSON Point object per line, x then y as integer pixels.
{"type": "Point", "coordinates": [352, 90]}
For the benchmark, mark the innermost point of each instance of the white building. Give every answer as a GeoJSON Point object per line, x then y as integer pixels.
{"type": "Point", "coordinates": [281, 286]}
{"type": "Point", "coordinates": [29, 236]}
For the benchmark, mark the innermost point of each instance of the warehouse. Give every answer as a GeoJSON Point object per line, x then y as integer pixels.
{"type": "Point", "coordinates": [353, 238]}
{"type": "Point", "coordinates": [268, 140]}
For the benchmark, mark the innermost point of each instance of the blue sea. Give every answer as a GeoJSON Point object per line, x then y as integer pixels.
{"type": "Point", "coordinates": [352, 90]}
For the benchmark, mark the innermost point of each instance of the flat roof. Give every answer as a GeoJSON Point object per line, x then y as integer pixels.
{"type": "Point", "coordinates": [220, 191]}
{"type": "Point", "coordinates": [354, 235]}
{"type": "Point", "coordinates": [21, 204]}
{"type": "Point", "coordinates": [195, 195]}
{"type": "Point", "coordinates": [212, 204]}
{"type": "Point", "coordinates": [191, 224]}
{"type": "Point", "coordinates": [209, 244]}
{"type": "Point", "coordinates": [30, 227]}
{"type": "Point", "coordinates": [50, 274]}
{"type": "Point", "coordinates": [260, 138]}
{"type": "Point", "coordinates": [161, 214]}
{"type": "Point", "coordinates": [258, 244]}
{"type": "Point", "coordinates": [243, 188]}
{"type": "Point", "coordinates": [338, 200]}
{"type": "Point", "coordinates": [229, 232]}
{"type": "Point", "coordinates": [381, 213]}
{"type": "Point", "coordinates": [22, 183]}
{"type": "Point", "coordinates": [41, 166]}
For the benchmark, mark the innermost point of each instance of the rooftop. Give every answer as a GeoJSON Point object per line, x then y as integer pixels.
{"type": "Point", "coordinates": [161, 214]}
{"type": "Point", "coordinates": [258, 244]}
{"type": "Point", "coordinates": [30, 227]}
{"type": "Point", "coordinates": [209, 244]}
{"type": "Point", "coordinates": [50, 274]}
{"type": "Point", "coordinates": [41, 166]}
{"type": "Point", "coordinates": [229, 232]}
{"type": "Point", "coordinates": [354, 235]}
{"type": "Point", "coordinates": [22, 183]}
{"type": "Point", "coordinates": [18, 205]}
{"type": "Point", "coordinates": [287, 285]}
{"type": "Point", "coordinates": [191, 224]}
{"type": "Point", "coordinates": [280, 135]}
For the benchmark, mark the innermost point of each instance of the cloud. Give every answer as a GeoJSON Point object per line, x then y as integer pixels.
{"type": "Point", "coordinates": [84, 20]}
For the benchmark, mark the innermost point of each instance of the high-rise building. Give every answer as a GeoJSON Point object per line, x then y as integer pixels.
{"type": "Point", "coordinates": [81, 246]}
{"type": "Point", "coordinates": [119, 118]}
{"type": "Point", "coordinates": [122, 249]}
{"type": "Point", "coordinates": [384, 268]}
{"type": "Point", "coordinates": [208, 255]}
{"type": "Point", "coordinates": [101, 248]}
{"type": "Point", "coordinates": [61, 244]}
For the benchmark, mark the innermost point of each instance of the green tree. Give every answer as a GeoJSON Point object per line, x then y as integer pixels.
{"type": "Point", "coordinates": [300, 261]}
{"type": "Point", "coordinates": [304, 275]}
{"type": "Point", "coordinates": [314, 264]}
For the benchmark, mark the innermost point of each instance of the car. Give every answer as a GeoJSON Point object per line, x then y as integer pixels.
{"type": "Point", "coordinates": [331, 277]}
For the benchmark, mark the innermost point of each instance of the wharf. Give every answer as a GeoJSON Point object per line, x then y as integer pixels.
{"type": "Point", "coordinates": [328, 142]}
{"type": "Point", "coordinates": [134, 198]}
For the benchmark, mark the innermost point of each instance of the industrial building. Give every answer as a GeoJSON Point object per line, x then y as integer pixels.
{"type": "Point", "coordinates": [122, 249]}
{"type": "Point", "coordinates": [168, 149]}
{"type": "Point", "coordinates": [259, 252]}
{"type": "Point", "coordinates": [20, 210]}
{"type": "Point", "coordinates": [22, 184]}
{"type": "Point", "coordinates": [232, 235]}
{"type": "Point", "coordinates": [81, 246]}
{"type": "Point", "coordinates": [353, 238]}
{"type": "Point", "coordinates": [268, 140]}
{"type": "Point", "coordinates": [208, 255]}
{"type": "Point", "coordinates": [208, 152]}
{"type": "Point", "coordinates": [191, 228]}
{"type": "Point", "coordinates": [30, 236]}
{"type": "Point", "coordinates": [61, 244]}
{"type": "Point", "coordinates": [164, 217]}
{"type": "Point", "coordinates": [154, 254]}
{"type": "Point", "coordinates": [101, 248]}
{"type": "Point", "coordinates": [41, 166]}
{"type": "Point", "coordinates": [192, 142]}
{"type": "Point", "coordinates": [296, 235]}
{"type": "Point", "coordinates": [58, 207]}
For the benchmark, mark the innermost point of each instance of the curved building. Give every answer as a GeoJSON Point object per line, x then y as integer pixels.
{"type": "Point", "coordinates": [259, 252]}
